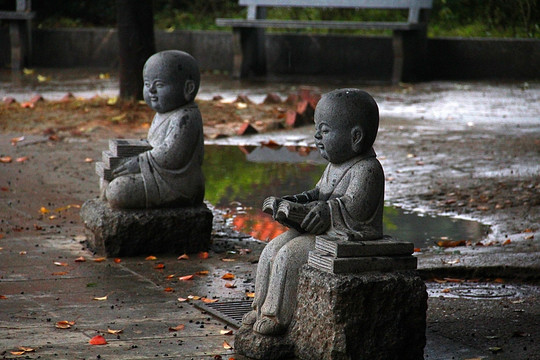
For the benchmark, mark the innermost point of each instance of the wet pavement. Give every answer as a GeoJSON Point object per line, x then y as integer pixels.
{"type": "Point", "coordinates": [442, 139]}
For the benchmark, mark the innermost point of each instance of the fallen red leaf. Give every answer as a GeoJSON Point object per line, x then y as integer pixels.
{"type": "Point", "coordinates": [169, 289]}
{"type": "Point", "coordinates": [507, 241]}
{"type": "Point", "coordinates": [3, 297]}
{"type": "Point", "coordinates": [117, 260]}
{"type": "Point", "coordinates": [208, 301]}
{"type": "Point", "coordinates": [151, 257]}
{"type": "Point", "coordinates": [184, 278]}
{"type": "Point", "coordinates": [202, 273]}
{"type": "Point", "coordinates": [159, 266]}
{"type": "Point", "coordinates": [203, 255]}
{"type": "Point", "coordinates": [100, 259]}
{"type": "Point", "coordinates": [417, 250]}
{"type": "Point", "coordinates": [98, 340]}
{"type": "Point", "coordinates": [4, 188]}
{"type": "Point", "coordinates": [5, 159]}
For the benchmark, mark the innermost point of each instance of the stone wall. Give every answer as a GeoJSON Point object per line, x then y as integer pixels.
{"type": "Point", "coordinates": [338, 57]}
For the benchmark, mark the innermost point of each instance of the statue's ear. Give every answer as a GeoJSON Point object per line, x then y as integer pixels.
{"type": "Point", "coordinates": [189, 90]}
{"type": "Point", "coordinates": [357, 137]}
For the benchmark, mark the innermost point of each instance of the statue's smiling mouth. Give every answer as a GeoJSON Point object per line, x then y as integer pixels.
{"type": "Point", "coordinates": [154, 98]}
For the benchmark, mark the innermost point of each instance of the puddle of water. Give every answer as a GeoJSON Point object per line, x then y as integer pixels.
{"type": "Point", "coordinates": [239, 178]}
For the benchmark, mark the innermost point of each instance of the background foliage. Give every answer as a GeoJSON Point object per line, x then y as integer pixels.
{"type": "Point", "coordinates": [467, 18]}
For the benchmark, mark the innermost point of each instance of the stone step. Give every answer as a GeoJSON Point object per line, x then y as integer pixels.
{"type": "Point", "coordinates": [331, 264]}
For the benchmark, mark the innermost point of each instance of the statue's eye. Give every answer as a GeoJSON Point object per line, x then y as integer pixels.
{"type": "Point", "coordinates": [159, 85]}
{"type": "Point", "coordinates": [147, 84]}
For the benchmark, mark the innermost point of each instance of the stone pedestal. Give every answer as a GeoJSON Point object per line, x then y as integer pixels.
{"type": "Point", "coordinates": [146, 231]}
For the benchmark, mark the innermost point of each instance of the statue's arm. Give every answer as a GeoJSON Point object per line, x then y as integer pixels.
{"type": "Point", "coordinates": [304, 197]}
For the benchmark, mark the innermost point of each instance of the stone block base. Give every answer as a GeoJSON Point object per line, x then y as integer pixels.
{"type": "Point", "coordinates": [146, 231]}
{"type": "Point", "coordinates": [370, 315]}
{"type": "Point", "coordinates": [364, 316]}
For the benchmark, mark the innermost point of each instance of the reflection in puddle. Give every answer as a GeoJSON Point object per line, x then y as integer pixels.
{"type": "Point", "coordinates": [475, 290]}
{"type": "Point", "coordinates": [238, 179]}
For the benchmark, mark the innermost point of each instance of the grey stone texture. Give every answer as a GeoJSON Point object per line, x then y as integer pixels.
{"type": "Point", "coordinates": [119, 232]}
{"type": "Point", "coordinates": [370, 315]}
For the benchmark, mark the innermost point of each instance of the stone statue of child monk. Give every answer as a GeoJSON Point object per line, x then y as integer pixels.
{"type": "Point", "coordinates": [347, 202]}
{"type": "Point", "coordinates": [170, 173]}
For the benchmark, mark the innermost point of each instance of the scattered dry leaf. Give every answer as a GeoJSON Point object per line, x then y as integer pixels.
{"type": "Point", "coordinates": [16, 140]}
{"type": "Point", "coordinates": [208, 301]}
{"type": "Point", "coordinates": [194, 297]}
{"type": "Point", "coordinates": [169, 277]}
{"type": "Point", "coordinates": [3, 297]}
{"type": "Point", "coordinates": [183, 257]}
{"type": "Point", "coordinates": [446, 291]}
{"type": "Point", "coordinates": [226, 332]}
{"type": "Point", "coordinates": [454, 280]}
{"type": "Point", "coordinates": [117, 260]}
{"type": "Point", "coordinates": [64, 324]}
{"type": "Point", "coordinates": [115, 332]}
{"type": "Point", "coordinates": [98, 340]}
{"type": "Point", "coordinates": [5, 159]}
{"type": "Point", "coordinates": [228, 276]}
{"type": "Point", "coordinates": [228, 260]}
{"type": "Point", "coordinates": [250, 294]}
{"type": "Point", "coordinates": [102, 298]}
{"type": "Point", "coordinates": [151, 257]}
{"type": "Point", "coordinates": [181, 299]}
{"type": "Point", "coordinates": [44, 210]}
{"type": "Point", "coordinates": [177, 328]}
{"type": "Point", "coordinates": [80, 259]}
{"type": "Point", "coordinates": [22, 159]}
{"type": "Point", "coordinates": [226, 346]}
{"type": "Point", "coordinates": [202, 273]}
{"type": "Point", "coordinates": [59, 263]}
{"type": "Point", "coordinates": [185, 278]}
{"type": "Point", "coordinates": [19, 352]}
{"type": "Point", "coordinates": [451, 243]}
{"type": "Point", "coordinates": [100, 259]}
{"type": "Point", "coordinates": [230, 285]}
{"type": "Point", "coordinates": [168, 289]}
{"type": "Point", "coordinates": [507, 241]}
{"type": "Point", "coordinates": [159, 266]}
{"type": "Point", "coordinates": [88, 160]}
{"type": "Point", "coordinates": [22, 252]}
{"type": "Point", "coordinates": [203, 255]}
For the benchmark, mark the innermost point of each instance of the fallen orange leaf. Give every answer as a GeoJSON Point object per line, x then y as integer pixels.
{"type": "Point", "coordinates": [194, 297]}
{"type": "Point", "coordinates": [228, 260]}
{"type": "Point", "coordinates": [17, 352]}
{"type": "Point", "coordinates": [181, 299]}
{"type": "Point", "coordinates": [80, 259]}
{"type": "Point", "coordinates": [177, 328]}
{"type": "Point", "coordinates": [228, 276]}
{"type": "Point", "coordinates": [226, 332]}
{"type": "Point", "coordinates": [169, 277]}
{"type": "Point", "coordinates": [226, 346]}
{"type": "Point", "coordinates": [169, 289]}
{"type": "Point", "coordinates": [183, 257]}
{"type": "Point", "coordinates": [417, 250]}
{"type": "Point", "coordinates": [16, 140]}
{"type": "Point", "coordinates": [159, 266]}
{"type": "Point", "coordinates": [451, 243]}
{"type": "Point", "coordinates": [22, 252]}
{"type": "Point", "coordinates": [100, 259]}
{"type": "Point", "coordinates": [184, 278]}
{"type": "Point", "coordinates": [58, 263]}
{"type": "Point", "coordinates": [3, 297]}
{"type": "Point", "coordinates": [151, 257]}
{"type": "Point", "coordinates": [202, 273]}
{"type": "Point", "coordinates": [250, 294]}
{"type": "Point", "coordinates": [446, 291]}
{"type": "Point", "coordinates": [203, 255]}
{"type": "Point", "coordinates": [44, 210]}
{"type": "Point", "coordinates": [102, 298]}
{"type": "Point", "coordinates": [26, 349]}
{"type": "Point", "coordinates": [98, 340]}
{"type": "Point", "coordinates": [88, 160]}
{"type": "Point", "coordinates": [60, 273]}
{"type": "Point", "coordinates": [230, 285]}
{"type": "Point", "coordinates": [115, 332]}
{"type": "Point", "coordinates": [209, 301]}
{"type": "Point", "coordinates": [5, 159]}
{"type": "Point", "coordinates": [499, 280]}
{"type": "Point", "coordinates": [117, 260]}
{"type": "Point", "coordinates": [22, 159]}
{"type": "Point", "coordinates": [507, 241]}
{"type": "Point", "coordinates": [64, 324]}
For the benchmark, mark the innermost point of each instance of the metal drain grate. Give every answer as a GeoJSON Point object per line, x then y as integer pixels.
{"type": "Point", "coordinates": [229, 311]}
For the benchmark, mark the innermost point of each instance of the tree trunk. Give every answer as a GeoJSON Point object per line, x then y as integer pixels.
{"type": "Point", "coordinates": [136, 44]}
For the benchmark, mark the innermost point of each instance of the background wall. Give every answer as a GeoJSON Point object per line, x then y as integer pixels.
{"type": "Point", "coordinates": [292, 55]}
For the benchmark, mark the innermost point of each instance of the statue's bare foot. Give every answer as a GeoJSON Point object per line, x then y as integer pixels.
{"type": "Point", "coordinates": [268, 326]}
{"type": "Point", "coordinates": [249, 318]}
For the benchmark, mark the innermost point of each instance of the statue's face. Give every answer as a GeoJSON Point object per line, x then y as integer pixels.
{"type": "Point", "coordinates": [162, 92]}
{"type": "Point", "coordinates": [333, 138]}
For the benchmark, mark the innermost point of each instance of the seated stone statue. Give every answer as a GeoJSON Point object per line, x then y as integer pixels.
{"type": "Point", "coordinates": [347, 202]}
{"type": "Point", "coordinates": [169, 174]}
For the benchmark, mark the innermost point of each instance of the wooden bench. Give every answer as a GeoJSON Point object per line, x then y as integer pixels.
{"type": "Point", "coordinates": [408, 43]}
{"type": "Point", "coordinates": [19, 33]}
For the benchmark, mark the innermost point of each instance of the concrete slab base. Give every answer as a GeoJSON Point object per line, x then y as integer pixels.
{"type": "Point", "coordinates": [114, 232]}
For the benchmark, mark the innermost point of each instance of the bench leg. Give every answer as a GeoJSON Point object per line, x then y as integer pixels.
{"type": "Point", "coordinates": [410, 51]}
{"type": "Point", "coordinates": [19, 39]}
{"type": "Point", "coordinates": [249, 52]}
